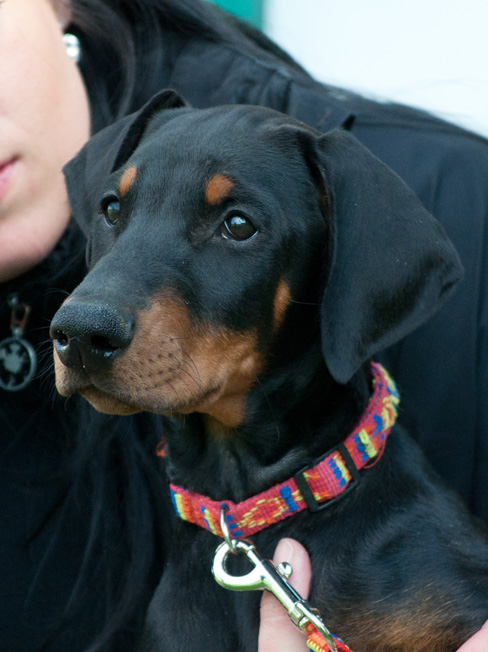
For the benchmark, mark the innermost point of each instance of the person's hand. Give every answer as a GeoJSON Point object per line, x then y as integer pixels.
{"type": "Point", "coordinates": [477, 643]}
{"type": "Point", "coordinates": [277, 633]}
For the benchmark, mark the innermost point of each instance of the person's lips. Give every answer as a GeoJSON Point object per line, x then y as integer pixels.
{"type": "Point", "coordinates": [6, 171]}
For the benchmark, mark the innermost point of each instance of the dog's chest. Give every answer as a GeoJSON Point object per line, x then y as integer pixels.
{"type": "Point", "coordinates": [189, 611]}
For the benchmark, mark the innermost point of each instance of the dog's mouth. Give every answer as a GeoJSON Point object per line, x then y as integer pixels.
{"type": "Point", "coordinates": [113, 404]}
{"type": "Point", "coordinates": [106, 403]}
{"type": "Point", "coordinates": [111, 394]}
{"type": "Point", "coordinates": [70, 381]}
{"type": "Point", "coordinates": [116, 404]}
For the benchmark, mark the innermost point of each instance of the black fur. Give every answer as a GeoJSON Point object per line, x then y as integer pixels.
{"type": "Point", "coordinates": [398, 564]}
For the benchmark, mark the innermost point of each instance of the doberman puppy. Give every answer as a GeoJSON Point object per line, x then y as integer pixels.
{"type": "Point", "coordinates": [244, 269]}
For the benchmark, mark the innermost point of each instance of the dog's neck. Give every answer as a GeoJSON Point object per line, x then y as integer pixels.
{"type": "Point", "coordinates": [293, 415]}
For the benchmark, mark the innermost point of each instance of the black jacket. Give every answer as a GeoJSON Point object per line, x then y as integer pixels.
{"type": "Point", "coordinates": [441, 369]}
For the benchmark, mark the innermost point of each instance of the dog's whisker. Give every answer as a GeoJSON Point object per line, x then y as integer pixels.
{"type": "Point", "coordinates": [197, 382]}
{"type": "Point", "coordinates": [303, 303]}
{"type": "Point", "coordinates": [52, 392]}
{"type": "Point", "coordinates": [171, 386]}
{"type": "Point", "coordinates": [191, 363]}
{"type": "Point", "coordinates": [182, 380]}
{"type": "Point", "coordinates": [37, 329]}
{"type": "Point", "coordinates": [57, 291]}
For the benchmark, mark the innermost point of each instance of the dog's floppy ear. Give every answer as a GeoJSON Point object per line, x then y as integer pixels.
{"type": "Point", "coordinates": [167, 99]}
{"type": "Point", "coordinates": [390, 265]}
{"type": "Point", "coordinates": [108, 150]}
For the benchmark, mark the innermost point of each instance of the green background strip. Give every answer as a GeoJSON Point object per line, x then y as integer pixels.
{"type": "Point", "coordinates": [250, 10]}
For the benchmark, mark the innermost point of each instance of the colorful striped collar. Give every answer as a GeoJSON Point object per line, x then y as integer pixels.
{"type": "Point", "coordinates": [314, 487]}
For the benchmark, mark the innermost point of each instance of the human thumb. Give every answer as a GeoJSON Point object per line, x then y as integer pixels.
{"type": "Point", "coordinates": [277, 633]}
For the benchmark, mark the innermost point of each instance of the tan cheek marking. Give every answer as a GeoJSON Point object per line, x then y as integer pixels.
{"type": "Point", "coordinates": [218, 188]}
{"type": "Point", "coordinates": [234, 357]}
{"type": "Point", "coordinates": [188, 366]}
{"type": "Point", "coordinates": [127, 180]}
{"type": "Point", "coordinates": [281, 303]}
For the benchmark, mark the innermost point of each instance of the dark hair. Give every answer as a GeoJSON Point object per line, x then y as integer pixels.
{"type": "Point", "coordinates": [127, 46]}
{"type": "Point", "coordinates": [126, 50]}
{"type": "Point", "coordinates": [120, 493]}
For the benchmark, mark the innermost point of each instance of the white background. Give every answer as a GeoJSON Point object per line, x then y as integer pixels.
{"type": "Point", "coordinates": [427, 53]}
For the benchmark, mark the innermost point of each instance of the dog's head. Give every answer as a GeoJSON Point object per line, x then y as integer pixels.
{"type": "Point", "coordinates": [208, 229]}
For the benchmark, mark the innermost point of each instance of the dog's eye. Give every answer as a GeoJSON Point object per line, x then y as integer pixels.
{"type": "Point", "coordinates": [111, 210]}
{"type": "Point", "coordinates": [237, 227]}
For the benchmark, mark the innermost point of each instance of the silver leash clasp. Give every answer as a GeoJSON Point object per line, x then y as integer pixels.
{"type": "Point", "coordinates": [266, 577]}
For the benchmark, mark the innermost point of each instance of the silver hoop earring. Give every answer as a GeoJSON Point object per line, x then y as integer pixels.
{"type": "Point", "coordinates": [73, 46]}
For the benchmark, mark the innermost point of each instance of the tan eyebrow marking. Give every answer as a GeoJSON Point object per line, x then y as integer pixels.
{"type": "Point", "coordinates": [127, 180]}
{"type": "Point", "coordinates": [218, 188]}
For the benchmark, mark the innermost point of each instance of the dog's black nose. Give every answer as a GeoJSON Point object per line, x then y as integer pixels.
{"type": "Point", "coordinates": [90, 335]}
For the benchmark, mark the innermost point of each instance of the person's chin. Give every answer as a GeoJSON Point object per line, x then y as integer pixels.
{"type": "Point", "coordinates": [23, 245]}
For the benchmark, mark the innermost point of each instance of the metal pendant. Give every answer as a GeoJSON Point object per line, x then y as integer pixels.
{"type": "Point", "coordinates": [18, 363]}
{"type": "Point", "coordinates": [18, 359]}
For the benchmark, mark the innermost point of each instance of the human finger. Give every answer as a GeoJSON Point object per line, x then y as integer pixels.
{"type": "Point", "coordinates": [277, 633]}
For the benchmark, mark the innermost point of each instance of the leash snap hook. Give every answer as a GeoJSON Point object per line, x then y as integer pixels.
{"type": "Point", "coordinates": [266, 577]}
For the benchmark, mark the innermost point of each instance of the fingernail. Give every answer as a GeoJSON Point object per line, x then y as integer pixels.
{"type": "Point", "coordinates": [285, 551]}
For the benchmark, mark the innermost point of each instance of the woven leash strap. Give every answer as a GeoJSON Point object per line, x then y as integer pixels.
{"type": "Point", "coordinates": [316, 643]}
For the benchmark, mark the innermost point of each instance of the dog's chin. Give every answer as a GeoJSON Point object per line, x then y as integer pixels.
{"type": "Point", "coordinates": [69, 382]}
{"type": "Point", "coordinates": [107, 404]}
{"type": "Point", "coordinates": [111, 399]}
